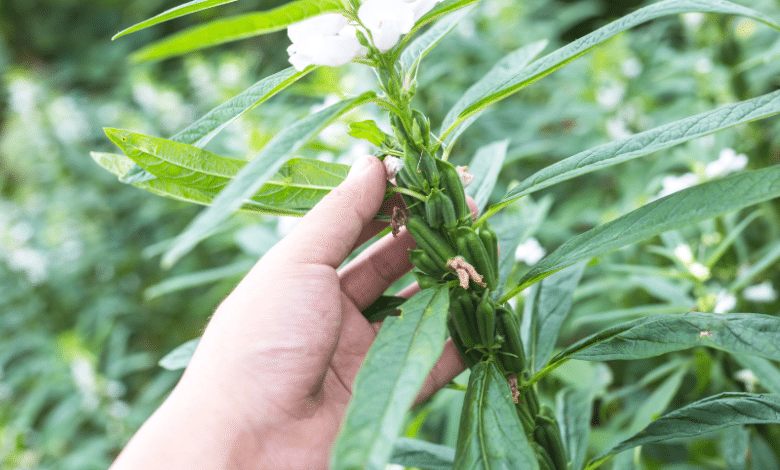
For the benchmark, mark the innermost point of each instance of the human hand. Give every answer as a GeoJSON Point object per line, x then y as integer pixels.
{"type": "Point", "coordinates": [273, 373]}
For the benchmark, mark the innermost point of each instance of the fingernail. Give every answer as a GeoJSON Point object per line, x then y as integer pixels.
{"type": "Point", "coordinates": [359, 166]}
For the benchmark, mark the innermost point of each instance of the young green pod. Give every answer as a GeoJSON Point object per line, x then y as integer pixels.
{"type": "Point", "coordinates": [545, 462]}
{"type": "Point", "coordinates": [424, 263]}
{"type": "Point", "coordinates": [449, 180]}
{"type": "Point", "coordinates": [423, 129]}
{"type": "Point", "coordinates": [507, 325]}
{"type": "Point", "coordinates": [448, 214]}
{"type": "Point", "coordinates": [469, 357]}
{"type": "Point", "coordinates": [430, 242]}
{"type": "Point", "coordinates": [428, 166]}
{"type": "Point", "coordinates": [547, 434]}
{"type": "Point", "coordinates": [433, 209]}
{"type": "Point", "coordinates": [490, 241]}
{"type": "Point", "coordinates": [462, 312]}
{"type": "Point", "coordinates": [470, 247]}
{"type": "Point", "coordinates": [486, 320]}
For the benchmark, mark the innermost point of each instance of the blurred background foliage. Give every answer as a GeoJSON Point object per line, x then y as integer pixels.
{"type": "Point", "coordinates": [86, 312]}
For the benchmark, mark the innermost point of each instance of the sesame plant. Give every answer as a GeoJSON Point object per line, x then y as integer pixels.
{"type": "Point", "coordinates": [467, 284]}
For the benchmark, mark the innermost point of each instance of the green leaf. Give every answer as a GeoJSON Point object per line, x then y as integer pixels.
{"type": "Point", "coordinates": [113, 162]}
{"type": "Point", "coordinates": [744, 333]}
{"type": "Point", "coordinates": [735, 447]}
{"type": "Point", "coordinates": [574, 409]}
{"type": "Point", "coordinates": [382, 307]}
{"type": "Point", "coordinates": [256, 173]}
{"type": "Point", "coordinates": [658, 401]}
{"type": "Point", "coordinates": [767, 260]}
{"type": "Point", "coordinates": [175, 12]}
{"type": "Point", "coordinates": [416, 453]}
{"type": "Point", "coordinates": [645, 143]}
{"type": "Point", "coordinates": [414, 52]}
{"type": "Point", "coordinates": [485, 166]}
{"type": "Point", "coordinates": [509, 66]}
{"type": "Point", "coordinates": [234, 28]}
{"type": "Point", "coordinates": [710, 414]}
{"type": "Point", "coordinates": [199, 278]}
{"type": "Point", "coordinates": [179, 357]}
{"type": "Point", "coordinates": [677, 210]}
{"type": "Point", "coordinates": [443, 8]}
{"type": "Point", "coordinates": [519, 77]}
{"type": "Point", "coordinates": [491, 435]}
{"type": "Point", "coordinates": [367, 130]}
{"type": "Point", "coordinates": [404, 352]}
{"type": "Point", "coordinates": [204, 129]}
{"type": "Point", "coordinates": [545, 310]}
{"type": "Point", "coordinates": [181, 163]}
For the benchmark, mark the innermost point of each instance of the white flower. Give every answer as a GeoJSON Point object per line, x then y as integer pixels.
{"type": "Point", "coordinates": [760, 293]}
{"type": "Point", "coordinates": [387, 20]}
{"type": "Point", "coordinates": [683, 253]}
{"type": "Point", "coordinates": [724, 302]}
{"type": "Point", "coordinates": [728, 162]}
{"type": "Point", "coordinates": [325, 39]}
{"type": "Point", "coordinates": [747, 377]}
{"type": "Point", "coordinates": [609, 97]}
{"type": "Point", "coordinates": [699, 271]}
{"type": "Point", "coordinates": [631, 67]}
{"type": "Point", "coordinates": [529, 252]}
{"type": "Point", "coordinates": [672, 184]}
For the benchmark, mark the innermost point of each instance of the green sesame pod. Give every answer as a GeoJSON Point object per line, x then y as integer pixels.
{"type": "Point", "coordinates": [490, 241]}
{"type": "Point", "coordinates": [428, 167]}
{"type": "Point", "coordinates": [470, 247]}
{"type": "Point", "coordinates": [486, 320]}
{"type": "Point", "coordinates": [424, 128]}
{"type": "Point", "coordinates": [545, 462]}
{"type": "Point", "coordinates": [449, 179]}
{"type": "Point", "coordinates": [462, 312]}
{"type": "Point", "coordinates": [507, 326]}
{"type": "Point", "coordinates": [469, 358]}
{"type": "Point", "coordinates": [424, 263]}
{"type": "Point", "coordinates": [398, 128]}
{"type": "Point", "coordinates": [530, 396]}
{"type": "Point", "coordinates": [448, 212]}
{"type": "Point", "coordinates": [525, 418]}
{"type": "Point", "coordinates": [548, 431]}
{"type": "Point", "coordinates": [430, 242]}
{"type": "Point", "coordinates": [433, 211]}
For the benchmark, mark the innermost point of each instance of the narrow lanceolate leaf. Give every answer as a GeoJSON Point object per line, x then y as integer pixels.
{"type": "Point", "coordinates": [256, 173]}
{"type": "Point", "coordinates": [293, 191]}
{"type": "Point", "coordinates": [677, 210]}
{"type": "Point", "coordinates": [420, 454]}
{"type": "Point", "coordinates": [443, 8]}
{"type": "Point", "coordinates": [234, 28]}
{"type": "Point", "coordinates": [512, 64]}
{"type": "Point", "coordinates": [175, 12]}
{"type": "Point", "coordinates": [198, 278]}
{"type": "Point", "coordinates": [574, 410]}
{"type": "Point", "coordinates": [523, 77]}
{"type": "Point", "coordinates": [204, 129]}
{"type": "Point", "coordinates": [404, 352]}
{"type": "Point", "coordinates": [645, 143]}
{"type": "Point", "coordinates": [491, 436]}
{"type": "Point", "coordinates": [186, 165]}
{"type": "Point", "coordinates": [485, 166]}
{"type": "Point", "coordinates": [740, 333]}
{"type": "Point", "coordinates": [180, 357]}
{"type": "Point", "coordinates": [735, 447]}
{"type": "Point", "coordinates": [710, 414]}
{"type": "Point", "coordinates": [415, 51]}
{"type": "Point", "coordinates": [545, 310]}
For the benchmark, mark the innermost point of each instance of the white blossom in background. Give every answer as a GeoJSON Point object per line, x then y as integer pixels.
{"type": "Point", "coordinates": [609, 97]}
{"type": "Point", "coordinates": [672, 184]}
{"type": "Point", "coordinates": [325, 39]}
{"type": "Point", "coordinates": [724, 302]}
{"type": "Point", "coordinates": [728, 162]}
{"type": "Point", "coordinates": [699, 271]}
{"type": "Point", "coordinates": [84, 377]}
{"type": "Point", "coordinates": [747, 377]}
{"type": "Point", "coordinates": [703, 66]}
{"type": "Point", "coordinates": [529, 252]}
{"type": "Point", "coordinates": [631, 67]}
{"type": "Point", "coordinates": [760, 293]}
{"type": "Point", "coordinates": [617, 129]}
{"type": "Point", "coordinates": [388, 20]}
{"type": "Point", "coordinates": [683, 253]}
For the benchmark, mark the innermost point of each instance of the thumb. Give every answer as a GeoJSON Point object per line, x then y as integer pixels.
{"type": "Point", "coordinates": [327, 234]}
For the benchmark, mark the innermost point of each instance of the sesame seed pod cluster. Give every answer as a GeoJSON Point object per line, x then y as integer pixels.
{"type": "Point", "coordinates": [450, 251]}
